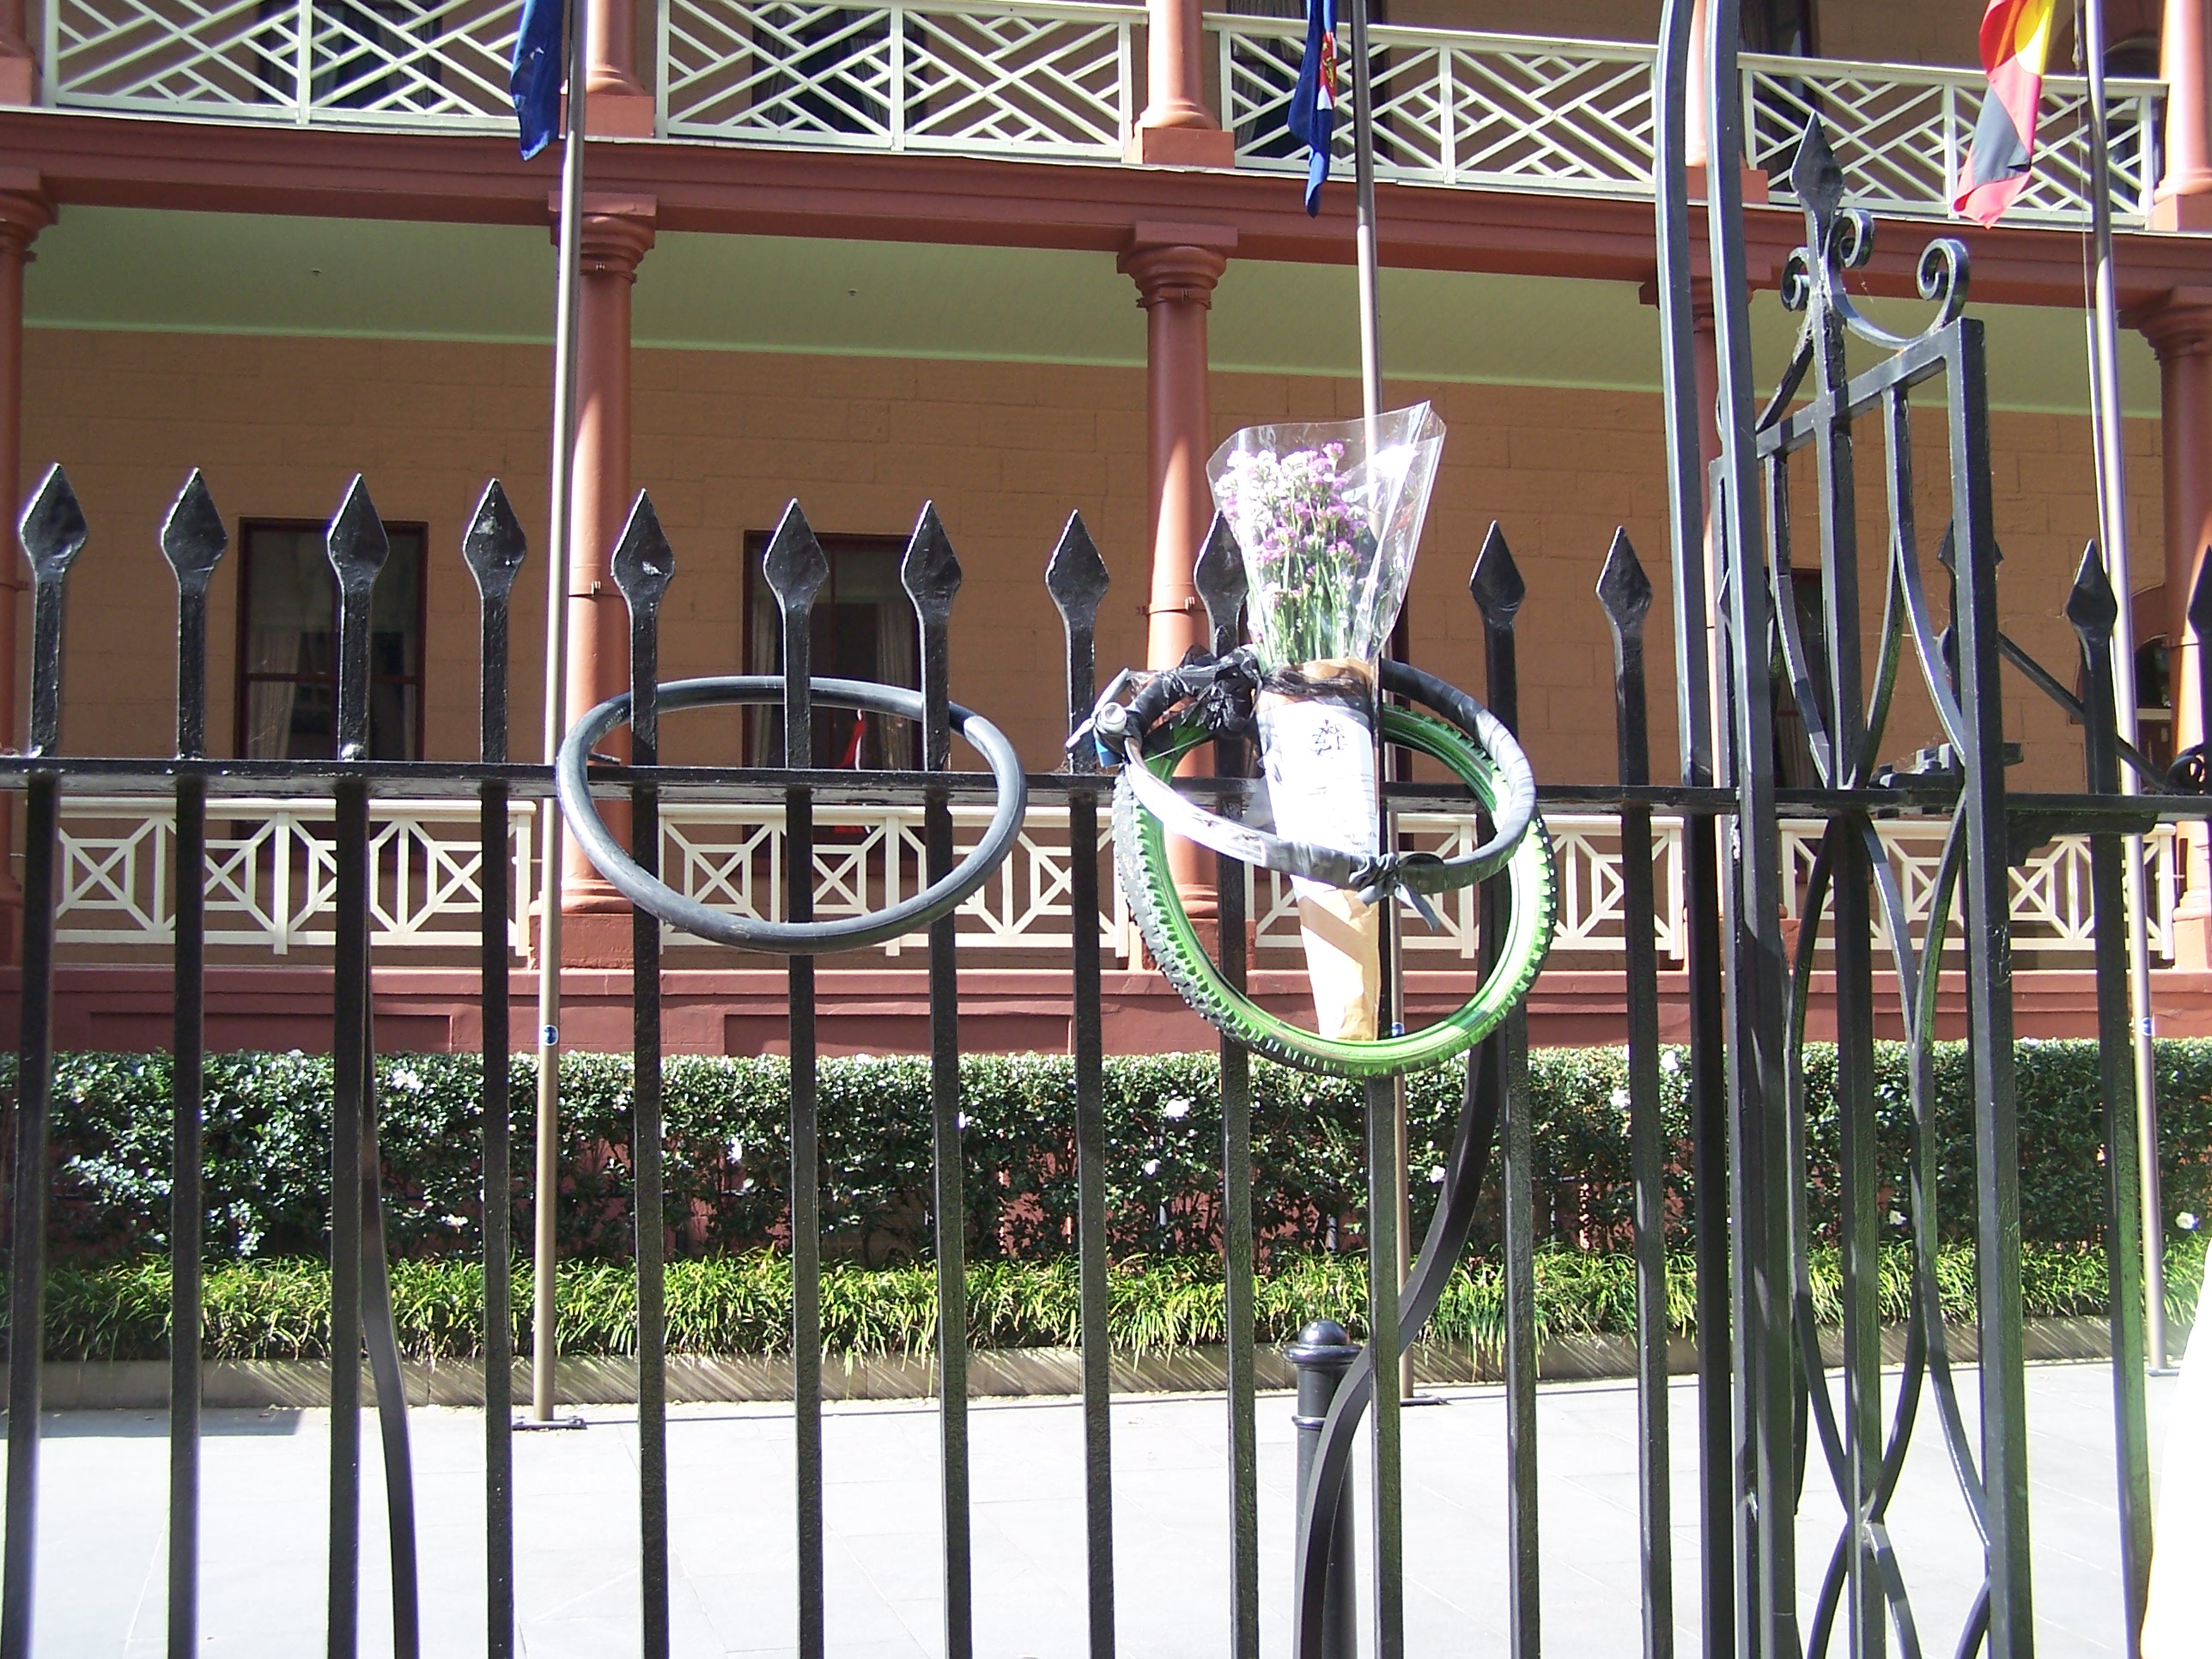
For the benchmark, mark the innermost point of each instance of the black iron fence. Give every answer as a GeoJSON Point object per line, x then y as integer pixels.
{"type": "Point", "coordinates": [1771, 1413]}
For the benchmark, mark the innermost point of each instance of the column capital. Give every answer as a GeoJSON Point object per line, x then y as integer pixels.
{"type": "Point", "coordinates": [616, 232]}
{"type": "Point", "coordinates": [1177, 264]}
{"type": "Point", "coordinates": [2177, 324]}
{"type": "Point", "coordinates": [25, 210]}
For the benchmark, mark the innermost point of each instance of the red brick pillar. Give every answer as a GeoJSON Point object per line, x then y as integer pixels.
{"type": "Point", "coordinates": [620, 105]}
{"type": "Point", "coordinates": [1175, 282]}
{"type": "Point", "coordinates": [2184, 195]}
{"type": "Point", "coordinates": [617, 231]}
{"type": "Point", "coordinates": [1177, 129]}
{"type": "Point", "coordinates": [19, 68]}
{"type": "Point", "coordinates": [2180, 331]}
{"type": "Point", "coordinates": [24, 212]}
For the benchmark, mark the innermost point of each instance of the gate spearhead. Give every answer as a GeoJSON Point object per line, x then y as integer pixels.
{"type": "Point", "coordinates": [1220, 580]}
{"type": "Point", "coordinates": [494, 546]}
{"type": "Point", "coordinates": [1623, 588]}
{"type": "Point", "coordinates": [192, 537]}
{"type": "Point", "coordinates": [794, 563]}
{"type": "Point", "coordinates": [1076, 576]}
{"type": "Point", "coordinates": [356, 541]}
{"type": "Point", "coordinates": [643, 562]}
{"type": "Point", "coordinates": [2090, 604]}
{"type": "Point", "coordinates": [1496, 583]}
{"type": "Point", "coordinates": [930, 573]}
{"type": "Point", "coordinates": [53, 528]}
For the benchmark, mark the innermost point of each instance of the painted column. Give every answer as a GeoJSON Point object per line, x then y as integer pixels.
{"type": "Point", "coordinates": [1177, 129]}
{"type": "Point", "coordinates": [617, 231]}
{"type": "Point", "coordinates": [2180, 332]}
{"type": "Point", "coordinates": [2184, 195]}
{"type": "Point", "coordinates": [19, 68]}
{"type": "Point", "coordinates": [1175, 267]}
{"type": "Point", "coordinates": [24, 212]}
{"type": "Point", "coordinates": [620, 105]}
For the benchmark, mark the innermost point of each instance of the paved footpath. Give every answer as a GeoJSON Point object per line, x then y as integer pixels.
{"type": "Point", "coordinates": [103, 1552]}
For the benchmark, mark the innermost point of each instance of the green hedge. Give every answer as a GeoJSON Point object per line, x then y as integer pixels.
{"type": "Point", "coordinates": [267, 1119]}
{"type": "Point", "coordinates": [741, 1304]}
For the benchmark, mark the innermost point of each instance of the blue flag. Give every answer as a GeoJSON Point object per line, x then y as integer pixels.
{"type": "Point", "coordinates": [536, 80]}
{"type": "Point", "coordinates": [1312, 118]}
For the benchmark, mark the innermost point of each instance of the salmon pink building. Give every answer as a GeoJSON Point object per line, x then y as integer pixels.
{"type": "Point", "coordinates": [1016, 258]}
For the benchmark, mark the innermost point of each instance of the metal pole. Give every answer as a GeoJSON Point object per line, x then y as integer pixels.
{"type": "Point", "coordinates": [1322, 1355]}
{"type": "Point", "coordinates": [2113, 522]}
{"type": "Point", "coordinates": [1370, 398]}
{"type": "Point", "coordinates": [1363, 177]}
{"type": "Point", "coordinates": [561, 491]}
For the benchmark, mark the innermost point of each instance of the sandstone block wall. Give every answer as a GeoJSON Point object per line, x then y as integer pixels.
{"type": "Point", "coordinates": [1006, 450]}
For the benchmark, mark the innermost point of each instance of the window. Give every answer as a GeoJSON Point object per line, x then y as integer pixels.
{"type": "Point", "coordinates": [862, 628]}
{"type": "Point", "coordinates": [288, 622]}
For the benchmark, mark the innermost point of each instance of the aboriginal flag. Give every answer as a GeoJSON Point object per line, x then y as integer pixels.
{"type": "Point", "coordinates": [1312, 118]}
{"type": "Point", "coordinates": [2015, 45]}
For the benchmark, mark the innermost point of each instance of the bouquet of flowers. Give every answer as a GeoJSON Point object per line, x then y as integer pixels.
{"type": "Point", "coordinates": [1328, 524]}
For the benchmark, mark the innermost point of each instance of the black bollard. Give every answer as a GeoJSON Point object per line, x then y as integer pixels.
{"type": "Point", "coordinates": [1323, 1354]}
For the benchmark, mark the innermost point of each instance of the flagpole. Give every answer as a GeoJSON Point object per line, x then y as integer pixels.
{"type": "Point", "coordinates": [1363, 180]}
{"type": "Point", "coordinates": [2110, 453]}
{"type": "Point", "coordinates": [1370, 403]}
{"type": "Point", "coordinates": [561, 490]}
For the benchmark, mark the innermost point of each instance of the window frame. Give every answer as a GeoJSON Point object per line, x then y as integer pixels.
{"type": "Point", "coordinates": [754, 733]}
{"type": "Point", "coordinates": [244, 679]}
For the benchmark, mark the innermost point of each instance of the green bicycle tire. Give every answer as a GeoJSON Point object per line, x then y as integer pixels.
{"type": "Point", "coordinates": [1140, 857]}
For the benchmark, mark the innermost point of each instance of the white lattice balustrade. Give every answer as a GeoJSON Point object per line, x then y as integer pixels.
{"type": "Point", "coordinates": [271, 885]}
{"type": "Point", "coordinates": [1017, 79]}
{"type": "Point", "coordinates": [1040, 80]}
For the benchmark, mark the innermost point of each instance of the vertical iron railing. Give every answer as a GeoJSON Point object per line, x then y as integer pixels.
{"type": "Point", "coordinates": [643, 565]}
{"type": "Point", "coordinates": [1077, 577]}
{"type": "Point", "coordinates": [796, 569]}
{"type": "Point", "coordinates": [192, 540]}
{"type": "Point", "coordinates": [494, 548]}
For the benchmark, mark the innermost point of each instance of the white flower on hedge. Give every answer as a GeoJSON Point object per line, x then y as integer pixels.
{"type": "Point", "coordinates": [1177, 1108]}
{"type": "Point", "coordinates": [736, 1150]}
{"type": "Point", "coordinates": [404, 1078]}
{"type": "Point", "coordinates": [1670, 1062]}
{"type": "Point", "coordinates": [2186, 1221]}
{"type": "Point", "coordinates": [1620, 1100]}
{"type": "Point", "coordinates": [1151, 1166]}
{"type": "Point", "coordinates": [456, 1221]}
{"type": "Point", "coordinates": [960, 1120]}
{"type": "Point", "coordinates": [1436, 1176]}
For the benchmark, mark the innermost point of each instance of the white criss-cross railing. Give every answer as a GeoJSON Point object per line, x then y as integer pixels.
{"type": "Point", "coordinates": [272, 873]}
{"type": "Point", "coordinates": [271, 880]}
{"type": "Point", "coordinates": [1012, 79]}
{"type": "Point", "coordinates": [379, 62]}
{"type": "Point", "coordinates": [1042, 80]}
{"type": "Point", "coordinates": [1500, 112]}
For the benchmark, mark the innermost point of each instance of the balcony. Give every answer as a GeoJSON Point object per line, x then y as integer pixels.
{"type": "Point", "coordinates": [1029, 81]}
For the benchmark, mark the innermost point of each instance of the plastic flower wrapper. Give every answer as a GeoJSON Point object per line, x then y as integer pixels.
{"type": "Point", "coordinates": [1329, 531]}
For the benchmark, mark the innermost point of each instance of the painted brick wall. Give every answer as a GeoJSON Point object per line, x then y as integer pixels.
{"type": "Point", "coordinates": [723, 439]}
